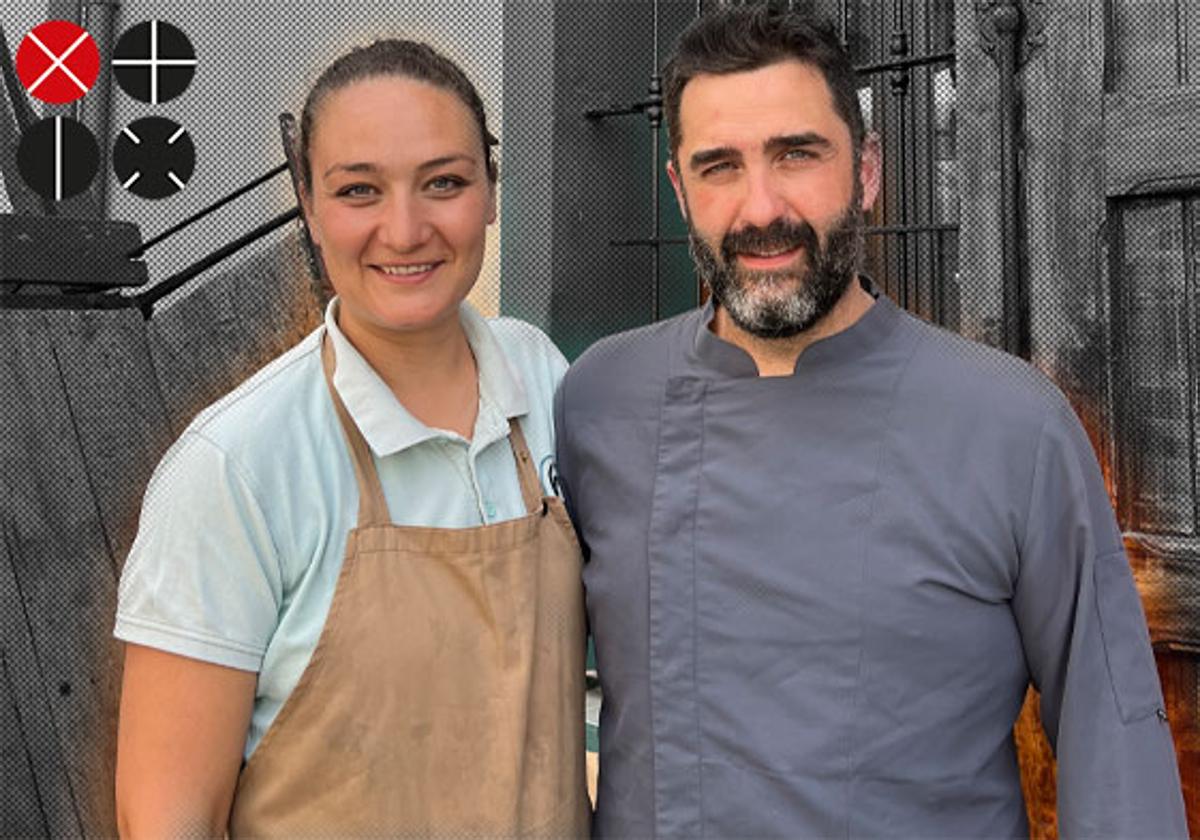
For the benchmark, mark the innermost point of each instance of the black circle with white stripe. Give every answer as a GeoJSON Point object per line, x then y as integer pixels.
{"type": "Point", "coordinates": [154, 61]}
{"type": "Point", "coordinates": [154, 157]}
{"type": "Point", "coordinates": [58, 157]}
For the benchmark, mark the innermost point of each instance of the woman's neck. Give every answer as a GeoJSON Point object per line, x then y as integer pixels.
{"type": "Point", "coordinates": [432, 372]}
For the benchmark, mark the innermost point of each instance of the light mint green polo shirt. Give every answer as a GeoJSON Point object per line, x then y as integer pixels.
{"type": "Point", "coordinates": [244, 523]}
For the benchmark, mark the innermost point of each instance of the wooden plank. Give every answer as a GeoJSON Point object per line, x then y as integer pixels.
{"type": "Point", "coordinates": [1150, 140]}
{"type": "Point", "coordinates": [29, 694]}
{"type": "Point", "coordinates": [61, 565]}
{"type": "Point", "coordinates": [1064, 206]}
{"type": "Point", "coordinates": [1066, 215]}
{"type": "Point", "coordinates": [980, 241]}
{"type": "Point", "coordinates": [228, 326]}
{"type": "Point", "coordinates": [20, 806]}
{"type": "Point", "coordinates": [117, 409]}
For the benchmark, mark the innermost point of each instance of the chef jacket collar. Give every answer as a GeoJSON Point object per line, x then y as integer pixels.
{"type": "Point", "coordinates": [384, 421]}
{"type": "Point", "coordinates": [873, 327]}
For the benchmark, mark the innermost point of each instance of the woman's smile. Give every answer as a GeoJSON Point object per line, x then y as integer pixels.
{"type": "Point", "coordinates": [407, 274]}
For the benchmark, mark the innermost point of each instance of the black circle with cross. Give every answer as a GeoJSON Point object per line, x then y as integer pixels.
{"type": "Point", "coordinates": [154, 61]}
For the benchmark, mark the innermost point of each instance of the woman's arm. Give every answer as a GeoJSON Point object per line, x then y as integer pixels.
{"type": "Point", "coordinates": [179, 746]}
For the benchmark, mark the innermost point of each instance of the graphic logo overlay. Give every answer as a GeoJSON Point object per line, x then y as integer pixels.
{"type": "Point", "coordinates": [154, 61]}
{"type": "Point", "coordinates": [58, 157]}
{"type": "Point", "coordinates": [58, 62]}
{"type": "Point", "coordinates": [154, 157]}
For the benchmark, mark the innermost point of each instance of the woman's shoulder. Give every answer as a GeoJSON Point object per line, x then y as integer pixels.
{"type": "Point", "coordinates": [275, 409]}
{"type": "Point", "coordinates": [531, 356]}
{"type": "Point", "coordinates": [521, 338]}
{"type": "Point", "coordinates": [276, 398]}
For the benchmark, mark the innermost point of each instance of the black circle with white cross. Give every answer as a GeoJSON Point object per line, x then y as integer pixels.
{"type": "Point", "coordinates": [154, 61]}
{"type": "Point", "coordinates": [154, 157]}
{"type": "Point", "coordinates": [58, 157]}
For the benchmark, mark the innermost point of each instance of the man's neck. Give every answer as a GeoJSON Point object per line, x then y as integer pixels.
{"type": "Point", "coordinates": [777, 356]}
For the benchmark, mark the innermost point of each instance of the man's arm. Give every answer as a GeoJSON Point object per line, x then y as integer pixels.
{"type": "Point", "coordinates": [1088, 650]}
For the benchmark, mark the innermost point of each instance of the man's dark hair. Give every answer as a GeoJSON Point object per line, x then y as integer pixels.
{"type": "Point", "coordinates": [736, 39]}
{"type": "Point", "coordinates": [394, 57]}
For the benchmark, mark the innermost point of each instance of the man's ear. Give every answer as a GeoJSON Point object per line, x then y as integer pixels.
{"type": "Point", "coordinates": [870, 169]}
{"type": "Point", "coordinates": [677, 184]}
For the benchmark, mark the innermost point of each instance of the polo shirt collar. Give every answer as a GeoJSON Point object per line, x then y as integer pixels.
{"type": "Point", "coordinates": [385, 423]}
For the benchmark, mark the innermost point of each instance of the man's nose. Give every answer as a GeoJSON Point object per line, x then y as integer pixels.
{"type": "Point", "coordinates": [763, 201]}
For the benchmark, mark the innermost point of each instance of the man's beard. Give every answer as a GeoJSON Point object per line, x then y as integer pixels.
{"type": "Point", "coordinates": [782, 304]}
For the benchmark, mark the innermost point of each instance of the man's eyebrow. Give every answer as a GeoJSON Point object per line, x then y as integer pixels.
{"type": "Point", "coordinates": [791, 141]}
{"type": "Point", "coordinates": [707, 156]}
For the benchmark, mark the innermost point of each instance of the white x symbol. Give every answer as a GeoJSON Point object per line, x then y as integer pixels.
{"type": "Point", "coordinates": [58, 62]}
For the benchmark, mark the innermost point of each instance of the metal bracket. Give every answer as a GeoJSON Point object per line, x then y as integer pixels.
{"type": "Point", "coordinates": [1024, 20]}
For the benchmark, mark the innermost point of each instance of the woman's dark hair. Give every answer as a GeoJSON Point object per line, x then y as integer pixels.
{"type": "Point", "coordinates": [394, 57]}
{"type": "Point", "coordinates": [736, 39]}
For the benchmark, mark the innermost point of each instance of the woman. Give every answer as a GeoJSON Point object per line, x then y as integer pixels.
{"type": "Point", "coordinates": [346, 574]}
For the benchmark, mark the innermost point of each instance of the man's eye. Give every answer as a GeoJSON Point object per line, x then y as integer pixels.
{"type": "Point", "coordinates": [799, 154]}
{"type": "Point", "coordinates": [717, 168]}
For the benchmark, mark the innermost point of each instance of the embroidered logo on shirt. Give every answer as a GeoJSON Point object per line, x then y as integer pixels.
{"type": "Point", "coordinates": [548, 471]}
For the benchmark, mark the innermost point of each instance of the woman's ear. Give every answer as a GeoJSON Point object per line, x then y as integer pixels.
{"type": "Point", "coordinates": [304, 197]}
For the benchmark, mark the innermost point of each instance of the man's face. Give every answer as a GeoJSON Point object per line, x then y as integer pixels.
{"type": "Point", "coordinates": [767, 181]}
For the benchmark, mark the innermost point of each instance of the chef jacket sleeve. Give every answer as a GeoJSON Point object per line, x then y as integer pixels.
{"type": "Point", "coordinates": [203, 577]}
{"type": "Point", "coordinates": [564, 465]}
{"type": "Point", "coordinates": [1088, 651]}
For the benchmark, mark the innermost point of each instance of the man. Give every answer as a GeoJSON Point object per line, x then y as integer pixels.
{"type": "Point", "coordinates": [831, 545]}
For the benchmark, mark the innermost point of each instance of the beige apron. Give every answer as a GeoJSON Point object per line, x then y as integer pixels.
{"type": "Point", "coordinates": [444, 698]}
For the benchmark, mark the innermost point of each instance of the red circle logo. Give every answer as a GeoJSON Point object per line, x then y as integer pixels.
{"type": "Point", "coordinates": [58, 62]}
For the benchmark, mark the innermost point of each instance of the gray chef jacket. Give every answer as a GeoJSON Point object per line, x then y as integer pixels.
{"type": "Point", "coordinates": [818, 599]}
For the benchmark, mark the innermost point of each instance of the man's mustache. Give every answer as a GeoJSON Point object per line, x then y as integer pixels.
{"type": "Point", "coordinates": [779, 235]}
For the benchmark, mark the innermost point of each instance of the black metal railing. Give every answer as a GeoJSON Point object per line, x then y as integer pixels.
{"type": "Point", "coordinates": [145, 299]}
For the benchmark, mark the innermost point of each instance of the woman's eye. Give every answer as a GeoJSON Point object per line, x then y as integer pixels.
{"type": "Point", "coordinates": [446, 183]}
{"type": "Point", "coordinates": [356, 190]}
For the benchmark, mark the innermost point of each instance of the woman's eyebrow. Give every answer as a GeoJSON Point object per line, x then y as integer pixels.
{"type": "Point", "coordinates": [368, 167]}
{"type": "Point", "coordinates": [442, 161]}
{"type": "Point", "coordinates": [351, 167]}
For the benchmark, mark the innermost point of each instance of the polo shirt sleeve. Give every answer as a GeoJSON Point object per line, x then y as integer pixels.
{"type": "Point", "coordinates": [1088, 649]}
{"type": "Point", "coordinates": [203, 578]}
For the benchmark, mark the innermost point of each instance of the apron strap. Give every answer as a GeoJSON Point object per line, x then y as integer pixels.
{"type": "Point", "coordinates": [531, 486]}
{"type": "Point", "coordinates": [372, 506]}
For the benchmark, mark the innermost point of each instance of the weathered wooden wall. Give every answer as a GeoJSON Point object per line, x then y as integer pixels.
{"type": "Point", "coordinates": [89, 401]}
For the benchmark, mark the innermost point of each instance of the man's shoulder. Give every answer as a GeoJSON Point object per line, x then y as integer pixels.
{"type": "Point", "coordinates": [624, 360]}
{"type": "Point", "coordinates": [947, 365]}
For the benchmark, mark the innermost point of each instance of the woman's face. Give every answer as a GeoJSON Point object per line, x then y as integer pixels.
{"type": "Point", "coordinates": [400, 202]}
